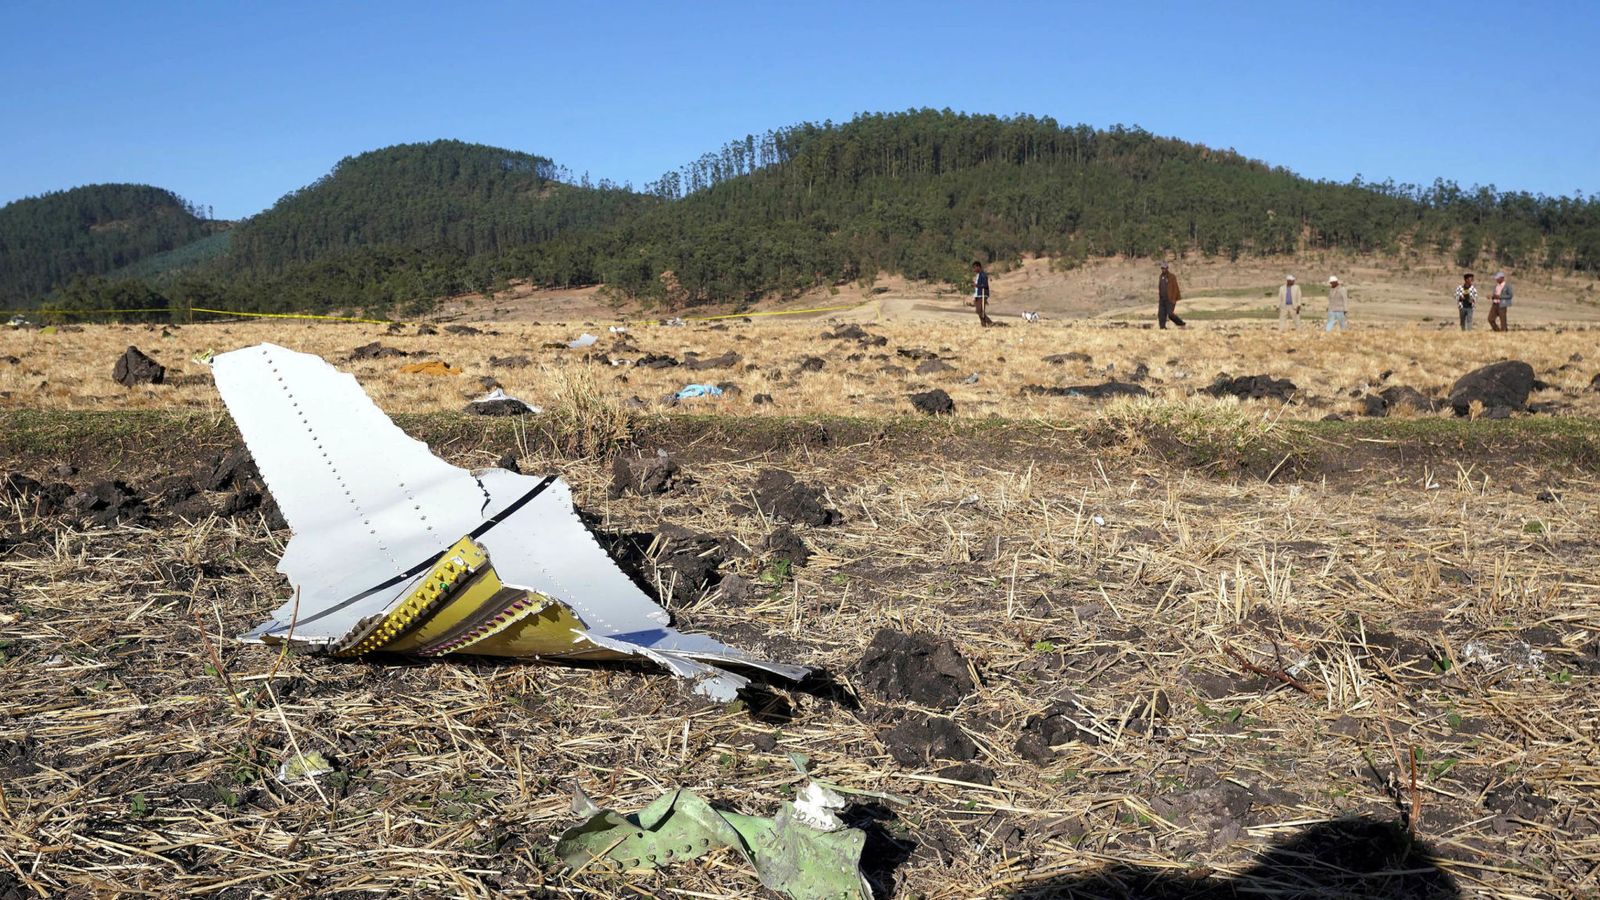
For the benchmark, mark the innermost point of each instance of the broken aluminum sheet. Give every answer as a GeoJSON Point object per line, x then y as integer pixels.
{"type": "Point", "coordinates": [790, 852]}
{"type": "Point", "coordinates": [394, 548]}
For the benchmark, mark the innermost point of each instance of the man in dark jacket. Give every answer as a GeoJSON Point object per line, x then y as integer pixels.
{"type": "Point", "coordinates": [1167, 292]}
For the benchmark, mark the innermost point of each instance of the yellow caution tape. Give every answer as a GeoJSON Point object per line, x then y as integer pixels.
{"type": "Point", "coordinates": [262, 315]}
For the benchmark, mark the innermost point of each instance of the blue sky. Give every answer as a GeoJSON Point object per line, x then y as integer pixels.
{"type": "Point", "coordinates": [234, 104]}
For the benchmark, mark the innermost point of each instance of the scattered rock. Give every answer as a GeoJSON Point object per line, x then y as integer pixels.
{"type": "Point", "coordinates": [779, 495]}
{"type": "Point", "coordinates": [917, 667]}
{"type": "Point", "coordinates": [509, 362]}
{"type": "Point", "coordinates": [761, 399]}
{"type": "Point", "coordinates": [462, 330]}
{"type": "Point", "coordinates": [934, 367]}
{"type": "Point", "coordinates": [783, 544]}
{"type": "Point", "coordinates": [898, 371]}
{"type": "Point", "coordinates": [1404, 396]}
{"type": "Point", "coordinates": [1074, 356]}
{"type": "Point", "coordinates": [133, 367]}
{"type": "Point", "coordinates": [851, 332]}
{"type": "Point", "coordinates": [425, 330]}
{"type": "Point", "coordinates": [498, 403]}
{"type": "Point", "coordinates": [1042, 733]}
{"type": "Point", "coordinates": [812, 364]}
{"type": "Point", "coordinates": [654, 474]}
{"type": "Point", "coordinates": [1547, 497]}
{"type": "Point", "coordinates": [1594, 385]}
{"type": "Point", "coordinates": [1104, 391]}
{"type": "Point", "coordinates": [934, 403]}
{"type": "Point", "coordinates": [729, 389]}
{"type": "Point", "coordinates": [1502, 385]}
{"type": "Point", "coordinates": [919, 739]}
{"type": "Point", "coordinates": [375, 350]}
{"type": "Point", "coordinates": [1252, 387]}
{"type": "Point", "coordinates": [724, 361]}
{"type": "Point", "coordinates": [916, 353]}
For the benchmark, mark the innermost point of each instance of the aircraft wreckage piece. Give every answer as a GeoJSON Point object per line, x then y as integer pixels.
{"type": "Point", "coordinates": [396, 550]}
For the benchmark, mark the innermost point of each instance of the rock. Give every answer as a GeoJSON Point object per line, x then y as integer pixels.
{"type": "Point", "coordinates": [1074, 356]}
{"type": "Point", "coordinates": [498, 406]}
{"type": "Point", "coordinates": [783, 544]}
{"type": "Point", "coordinates": [1042, 733]}
{"type": "Point", "coordinates": [375, 350]}
{"type": "Point", "coordinates": [655, 474]}
{"type": "Point", "coordinates": [1547, 497]}
{"type": "Point", "coordinates": [729, 389]}
{"type": "Point", "coordinates": [761, 399]}
{"type": "Point", "coordinates": [779, 495]}
{"type": "Point", "coordinates": [1139, 373]}
{"type": "Point", "coordinates": [509, 463]}
{"type": "Point", "coordinates": [736, 588]}
{"type": "Point", "coordinates": [812, 364]}
{"type": "Point", "coordinates": [1497, 385]}
{"type": "Point", "coordinates": [919, 739]}
{"type": "Point", "coordinates": [425, 330]}
{"type": "Point", "coordinates": [462, 330]}
{"type": "Point", "coordinates": [1374, 406]}
{"type": "Point", "coordinates": [917, 667]}
{"type": "Point", "coordinates": [1104, 391]}
{"type": "Point", "coordinates": [1404, 396]}
{"type": "Point", "coordinates": [1252, 387]}
{"type": "Point", "coordinates": [934, 367]}
{"type": "Point", "coordinates": [1498, 412]}
{"type": "Point", "coordinates": [916, 353]}
{"type": "Point", "coordinates": [1594, 385]}
{"type": "Point", "coordinates": [934, 403]}
{"type": "Point", "coordinates": [897, 371]}
{"type": "Point", "coordinates": [724, 361]}
{"type": "Point", "coordinates": [850, 332]}
{"type": "Point", "coordinates": [133, 367]}
{"type": "Point", "coordinates": [509, 362]}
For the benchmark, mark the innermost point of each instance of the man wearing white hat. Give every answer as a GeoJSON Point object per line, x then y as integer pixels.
{"type": "Point", "coordinates": [1499, 302]}
{"type": "Point", "coordinates": [1338, 303]}
{"type": "Point", "coordinates": [1288, 302]}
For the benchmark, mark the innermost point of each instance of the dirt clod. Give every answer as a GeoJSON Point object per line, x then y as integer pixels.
{"type": "Point", "coordinates": [1252, 387]}
{"type": "Point", "coordinates": [376, 350]}
{"type": "Point", "coordinates": [916, 667]}
{"type": "Point", "coordinates": [1104, 391]}
{"type": "Point", "coordinates": [779, 495]}
{"type": "Point", "coordinates": [934, 367]}
{"type": "Point", "coordinates": [934, 403]}
{"type": "Point", "coordinates": [649, 474]}
{"type": "Point", "coordinates": [726, 360]}
{"type": "Point", "coordinates": [1042, 733]}
{"type": "Point", "coordinates": [785, 545]}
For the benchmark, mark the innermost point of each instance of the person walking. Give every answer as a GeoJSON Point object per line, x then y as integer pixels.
{"type": "Point", "coordinates": [980, 293]}
{"type": "Point", "coordinates": [1289, 300]}
{"type": "Point", "coordinates": [1338, 304]}
{"type": "Point", "coordinates": [1499, 302]}
{"type": "Point", "coordinates": [1466, 299]}
{"type": "Point", "coordinates": [1167, 293]}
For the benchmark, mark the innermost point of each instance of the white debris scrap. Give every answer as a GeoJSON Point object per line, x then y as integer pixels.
{"type": "Point", "coordinates": [396, 550]}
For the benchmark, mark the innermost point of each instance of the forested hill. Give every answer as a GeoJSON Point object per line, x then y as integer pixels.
{"type": "Point", "coordinates": [46, 240]}
{"type": "Point", "coordinates": [919, 193]}
{"type": "Point", "coordinates": [470, 198]}
{"type": "Point", "coordinates": [922, 193]}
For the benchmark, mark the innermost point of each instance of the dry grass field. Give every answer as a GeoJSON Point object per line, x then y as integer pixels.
{"type": "Point", "coordinates": [1213, 647]}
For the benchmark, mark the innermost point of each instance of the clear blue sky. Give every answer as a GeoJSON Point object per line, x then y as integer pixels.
{"type": "Point", "coordinates": [233, 104]}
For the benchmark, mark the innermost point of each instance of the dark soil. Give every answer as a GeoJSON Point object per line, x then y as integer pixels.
{"type": "Point", "coordinates": [1252, 387]}
{"type": "Point", "coordinates": [934, 367]}
{"type": "Point", "coordinates": [726, 360]}
{"type": "Point", "coordinates": [920, 739]}
{"type": "Point", "coordinates": [918, 667]}
{"type": "Point", "coordinates": [1042, 733]}
{"type": "Point", "coordinates": [785, 545]}
{"type": "Point", "coordinates": [376, 350]}
{"type": "Point", "coordinates": [640, 473]}
{"type": "Point", "coordinates": [1104, 391]}
{"type": "Point", "coordinates": [779, 495]}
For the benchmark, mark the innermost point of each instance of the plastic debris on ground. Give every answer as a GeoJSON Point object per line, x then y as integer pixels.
{"type": "Point", "coordinates": [499, 403]}
{"type": "Point", "coordinates": [431, 367]}
{"type": "Point", "coordinates": [805, 851]}
{"type": "Point", "coordinates": [396, 550]}
{"type": "Point", "coordinates": [583, 340]}
{"type": "Point", "coordinates": [698, 390]}
{"type": "Point", "coordinates": [618, 329]}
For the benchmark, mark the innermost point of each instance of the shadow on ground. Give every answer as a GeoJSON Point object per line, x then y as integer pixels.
{"type": "Point", "coordinates": [1346, 858]}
